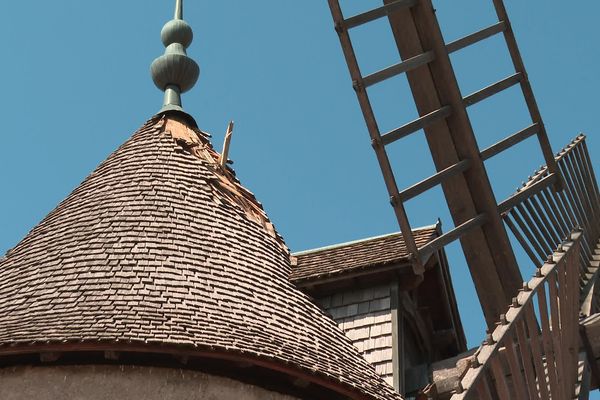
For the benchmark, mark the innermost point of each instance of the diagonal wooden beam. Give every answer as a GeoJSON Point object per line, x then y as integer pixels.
{"type": "Point", "coordinates": [487, 250]}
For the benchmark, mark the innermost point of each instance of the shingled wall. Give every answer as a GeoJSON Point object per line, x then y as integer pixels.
{"type": "Point", "coordinates": [366, 318]}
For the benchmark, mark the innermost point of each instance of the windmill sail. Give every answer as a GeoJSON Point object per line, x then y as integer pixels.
{"type": "Point", "coordinates": [555, 216]}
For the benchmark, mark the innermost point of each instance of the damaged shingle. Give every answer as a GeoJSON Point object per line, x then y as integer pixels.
{"type": "Point", "coordinates": [224, 181]}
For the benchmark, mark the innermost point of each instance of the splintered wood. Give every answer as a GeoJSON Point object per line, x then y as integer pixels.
{"type": "Point", "coordinates": [227, 187]}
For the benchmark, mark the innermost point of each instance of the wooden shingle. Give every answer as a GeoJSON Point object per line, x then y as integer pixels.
{"type": "Point", "coordinates": [313, 265]}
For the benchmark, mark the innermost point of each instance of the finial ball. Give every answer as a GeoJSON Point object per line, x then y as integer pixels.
{"type": "Point", "coordinates": [175, 69]}
{"type": "Point", "coordinates": [177, 31]}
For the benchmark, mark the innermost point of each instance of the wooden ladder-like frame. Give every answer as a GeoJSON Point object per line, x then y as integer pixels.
{"type": "Point", "coordinates": [456, 155]}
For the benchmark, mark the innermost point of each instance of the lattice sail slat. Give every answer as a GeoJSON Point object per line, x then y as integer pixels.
{"type": "Point", "coordinates": [541, 218]}
{"type": "Point", "coordinates": [534, 351]}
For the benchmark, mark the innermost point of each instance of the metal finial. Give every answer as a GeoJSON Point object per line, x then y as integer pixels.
{"type": "Point", "coordinates": [178, 9]}
{"type": "Point", "coordinates": [174, 72]}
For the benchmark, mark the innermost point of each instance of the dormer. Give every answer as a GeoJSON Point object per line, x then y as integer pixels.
{"type": "Point", "coordinates": [400, 324]}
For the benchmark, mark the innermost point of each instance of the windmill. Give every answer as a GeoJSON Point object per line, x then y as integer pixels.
{"type": "Point", "coordinates": [162, 275]}
{"type": "Point", "coordinates": [533, 348]}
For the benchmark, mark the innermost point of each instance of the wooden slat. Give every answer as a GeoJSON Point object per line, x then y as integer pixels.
{"type": "Point", "coordinates": [530, 238]}
{"type": "Point", "coordinates": [564, 204]}
{"type": "Point", "coordinates": [475, 37]}
{"type": "Point", "coordinates": [397, 69]}
{"type": "Point", "coordinates": [451, 236]}
{"type": "Point", "coordinates": [525, 193]}
{"type": "Point", "coordinates": [577, 198]}
{"type": "Point", "coordinates": [550, 223]}
{"type": "Point", "coordinates": [434, 180]}
{"type": "Point", "coordinates": [492, 89]}
{"type": "Point", "coordinates": [566, 327]}
{"type": "Point", "coordinates": [579, 186]}
{"type": "Point", "coordinates": [483, 390]}
{"type": "Point", "coordinates": [536, 351]}
{"type": "Point", "coordinates": [526, 361]}
{"type": "Point", "coordinates": [549, 351]}
{"type": "Point", "coordinates": [535, 230]}
{"type": "Point", "coordinates": [419, 123]}
{"type": "Point", "coordinates": [542, 227]}
{"type": "Point", "coordinates": [525, 244]}
{"type": "Point", "coordinates": [572, 277]}
{"type": "Point", "coordinates": [515, 370]}
{"type": "Point", "coordinates": [556, 330]}
{"type": "Point", "coordinates": [500, 378]}
{"type": "Point", "coordinates": [584, 182]}
{"type": "Point", "coordinates": [377, 13]}
{"type": "Point", "coordinates": [591, 344]}
{"type": "Point", "coordinates": [587, 183]}
{"type": "Point", "coordinates": [549, 203]}
{"type": "Point", "coordinates": [572, 193]}
{"type": "Point", "coordinates": [572, 282]}
{"type": "Point", "coordinates": [509, 141]}
{"type": "Point", "coordinates": [586, 156]}
{"type": "Point", "coordinates": [568, 215]}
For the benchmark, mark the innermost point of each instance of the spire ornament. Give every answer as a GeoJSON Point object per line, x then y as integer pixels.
{"type": "Point", "coordinates": [174, 72]}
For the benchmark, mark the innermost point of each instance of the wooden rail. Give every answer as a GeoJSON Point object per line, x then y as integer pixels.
{"type": "Point", "coordinates": [541, 218]}
{"type": "Point", "coordinates": [533, 353]}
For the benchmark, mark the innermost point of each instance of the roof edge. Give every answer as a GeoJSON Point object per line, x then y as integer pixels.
{"type": "Point", "coordinates": [339, 245]}
{"type": "Point", "coordinates": [271, 363]}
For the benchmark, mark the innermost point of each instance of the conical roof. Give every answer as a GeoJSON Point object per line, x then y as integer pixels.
{"type": "Point", "coordinates": [159, 247]}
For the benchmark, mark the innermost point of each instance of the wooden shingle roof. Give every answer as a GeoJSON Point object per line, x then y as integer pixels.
{"type": "Point", "coordinates": [159, 247]}
{"type": "Point", "coordinates": [326, 262]}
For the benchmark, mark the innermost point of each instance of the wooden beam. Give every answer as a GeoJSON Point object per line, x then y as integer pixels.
{"type": "Point", "coordinates": [487, 249]}
{"type": "Point", "coordinates": [534, 111]}
{"type": "Point", "coordinates": [398, 364]}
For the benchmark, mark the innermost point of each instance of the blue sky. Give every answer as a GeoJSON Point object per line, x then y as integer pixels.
{"type": "Point", "coordinates": [76, 84]}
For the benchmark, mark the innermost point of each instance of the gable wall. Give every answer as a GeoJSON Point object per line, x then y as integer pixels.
{"type": "Point", "coordinates": [365, 316]}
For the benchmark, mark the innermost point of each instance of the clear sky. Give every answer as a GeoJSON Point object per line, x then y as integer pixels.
{"type": "Point", "coordinates": [76, 84]}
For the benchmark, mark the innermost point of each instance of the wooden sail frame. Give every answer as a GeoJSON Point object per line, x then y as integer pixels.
{"type": "Point", "coordinates": [537, 340]}
{"type": "Point", "coordinates": [444, 119]}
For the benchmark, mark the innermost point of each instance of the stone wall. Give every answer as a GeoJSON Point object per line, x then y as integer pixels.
{"type": "Point", "coordinates": [108, 382]}
{"type": "Point", "coordinates": [365, 315]}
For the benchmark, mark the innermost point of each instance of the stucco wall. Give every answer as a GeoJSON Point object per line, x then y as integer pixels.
{"type": "Point", "coordinates": [365, 316]}
{"type": "Point", "coordinates": [123, 383]}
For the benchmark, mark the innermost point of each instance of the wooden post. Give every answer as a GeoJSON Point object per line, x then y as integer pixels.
{"type": "Point", "coordinates": [515, 369]}
{"type": "Point", "coordinates": [225, 153]}
{"type": "Point", "coordinates": [397, 338]}
{"type": "Point", "coordinates": [551, 362]}
{"type": "Point", "coordinates": [500, 378]}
